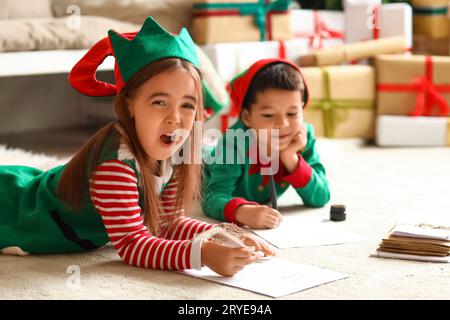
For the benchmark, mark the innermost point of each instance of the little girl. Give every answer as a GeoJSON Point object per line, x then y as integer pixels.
{"type": "Point", "coordinates": [121, 186]}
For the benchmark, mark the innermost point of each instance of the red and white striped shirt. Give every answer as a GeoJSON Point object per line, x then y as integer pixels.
{"type": "Point", "coordinates": [114, 193]}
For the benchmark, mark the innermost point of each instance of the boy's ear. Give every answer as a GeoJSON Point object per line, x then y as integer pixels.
{"type": "Point", "coordinates": [245, 116]}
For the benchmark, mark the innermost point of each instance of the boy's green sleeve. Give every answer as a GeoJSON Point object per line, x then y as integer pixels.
{"type": "Point", "coordinates": [220, 183]}
{"type": "Point", "coordinates": [309, 178]}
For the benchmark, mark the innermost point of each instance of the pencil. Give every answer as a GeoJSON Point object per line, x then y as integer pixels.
{"type": "Point", "coordinates": [273, 191]}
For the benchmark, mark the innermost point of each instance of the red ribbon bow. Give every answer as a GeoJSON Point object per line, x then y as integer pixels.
{"type": "Point", "coordinates": [429, 94]}
{"type": "Point", "coordinates": [321, 32]}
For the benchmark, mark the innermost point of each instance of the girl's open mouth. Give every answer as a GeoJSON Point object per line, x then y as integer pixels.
{"type": "Point", "coordinates": [168, 140]}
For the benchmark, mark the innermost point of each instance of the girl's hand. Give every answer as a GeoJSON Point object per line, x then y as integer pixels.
{"type": "Point", "coordinates": [224, 260]}
{"type": "Point", "coordinates": [258, 216]}
{"type": "Point", "coordinates": [252, 240]}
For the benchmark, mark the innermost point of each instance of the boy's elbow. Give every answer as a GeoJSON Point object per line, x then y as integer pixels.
{"type": "Point", "coordinates": [319, 200]}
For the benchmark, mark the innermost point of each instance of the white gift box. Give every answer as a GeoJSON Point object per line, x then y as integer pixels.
{"type": "Point", "coordinates": [397, 131]}
{"type": "Point", "coordinates": [230, 59]}
{"type": "Point", "coordinates": [320, 28]}
{"type": "Point", "coordinates": [366, 21]}
{"type": "Point", "coordinates": [347, 3]}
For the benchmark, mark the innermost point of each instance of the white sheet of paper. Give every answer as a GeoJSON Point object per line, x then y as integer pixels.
{"type": "Point", "coordinates": [299, 229]}
{"type": "Point", "coordinates": [412, 230]}
{"type": "Point", "coordinates": [273, 277]}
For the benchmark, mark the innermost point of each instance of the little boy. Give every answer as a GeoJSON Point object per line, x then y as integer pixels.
{"type": "Point", "coordinates": [270, 95]}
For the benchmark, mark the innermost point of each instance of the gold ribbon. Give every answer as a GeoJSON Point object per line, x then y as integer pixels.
{"type": "Point", "coordinates": [330, 107]}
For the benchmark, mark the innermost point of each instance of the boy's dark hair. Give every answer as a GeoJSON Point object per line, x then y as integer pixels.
{"type": "Point", "coordinates": [274, 76]}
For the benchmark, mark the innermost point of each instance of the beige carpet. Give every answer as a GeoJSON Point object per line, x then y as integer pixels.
{"type": "Point", "coordinates": [378, 186]}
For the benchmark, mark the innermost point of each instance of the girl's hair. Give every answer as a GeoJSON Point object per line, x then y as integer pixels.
{"type": "Point", "coordinates": [273, 76]}
{"type": "Point", "coordinates": [74, 183]}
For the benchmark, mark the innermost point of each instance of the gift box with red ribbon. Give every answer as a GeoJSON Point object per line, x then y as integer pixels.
{"type": "Point", "coordinates": [230, 59]}
{"type": "Point", "coordinates": [319, 28]}
{"type": "Point", "coordinates": [216, 21]}
{"type": "Point", "coordinates": [369, 21]}
{"type": "Point", "coordinates": [413, 85]}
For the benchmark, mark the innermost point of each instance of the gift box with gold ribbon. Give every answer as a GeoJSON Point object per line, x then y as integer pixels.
{"type": "Point", "coordinates": [413, 85]}
{"type": "Point", "coordinates": [217, 21]}
{"type": "Point", "coordinates": [431, 18]}
{"type": "Point", "coordinates": [342, 101]}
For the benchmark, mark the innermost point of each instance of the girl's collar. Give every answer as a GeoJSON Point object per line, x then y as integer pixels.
{"type": "Point", "coordinates": [165, 173]}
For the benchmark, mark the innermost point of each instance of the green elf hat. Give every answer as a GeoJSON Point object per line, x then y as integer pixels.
{"type": "Point", "coordinates": [132, 52]}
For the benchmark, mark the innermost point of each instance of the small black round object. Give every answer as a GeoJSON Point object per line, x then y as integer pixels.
{"type": "Point", "coordinates": [337, 212]}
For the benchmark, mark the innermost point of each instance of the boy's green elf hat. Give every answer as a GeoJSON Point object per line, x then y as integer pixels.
{"type": "Point", "coordinates": [133, 51]}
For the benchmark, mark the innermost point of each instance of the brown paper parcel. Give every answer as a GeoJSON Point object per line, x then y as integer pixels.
{"type": "Point", "coordinates": [342, 101]}
{"type": "Point", "coordinates": [404, 70]}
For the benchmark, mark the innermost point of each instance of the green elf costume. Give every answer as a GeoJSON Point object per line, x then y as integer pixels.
{"type": "Point", "coordinates": [34, 220]}
{"type": "Point", "coordinates": [229, 186]}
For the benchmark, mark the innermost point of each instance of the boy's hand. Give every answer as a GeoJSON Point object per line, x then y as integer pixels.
{"type": "Point", "coordinates": [289, 156]}
{"type": "Point", "coordinates": [224, 260]}
{"type": "Point", "coordinates": [258, 216]}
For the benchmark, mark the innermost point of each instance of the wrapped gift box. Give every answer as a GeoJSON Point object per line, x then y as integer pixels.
{"type": "Point", "coordinates": [431, 18]}
{"type": "Point", "coordinates": [354, 51]}
{"type": "Point", "coordinates": [342, 101]}
{"type": "Point", "coordinates": [230, 59]}
{"type": "Point", "coordinates": [369, 21]}
{"type": "Point", "coordinates": [321, 29]}
{"type": "Point", "coordinates": [425, 45]}
{"type": "Point", "coordinates": [398, 131]}
{"type": "Point", "coordinates": [413, 85]}
{"type": "Point", "coordinates": [216, 21]}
